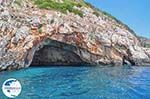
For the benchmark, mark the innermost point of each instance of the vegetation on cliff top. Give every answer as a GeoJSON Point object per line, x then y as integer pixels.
{"type": "Point", "coordinates": [66, 5]}
{"type": "Point", "coordinates": [145, 42]}
{"type": "Point", "coordinates": [97, 13]}
{"type": "Point", "coordinates": [69, 5]}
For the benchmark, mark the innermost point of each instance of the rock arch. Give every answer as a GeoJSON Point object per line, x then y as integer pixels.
{"type": "Point", "coordinates": [55, 53]}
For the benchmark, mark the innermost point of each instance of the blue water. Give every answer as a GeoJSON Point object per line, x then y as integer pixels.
{"type": "Point", "coordinates": [81, 82]}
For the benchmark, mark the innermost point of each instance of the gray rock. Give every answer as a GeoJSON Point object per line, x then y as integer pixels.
{"type": "Point", "coordinates": [21, 33]}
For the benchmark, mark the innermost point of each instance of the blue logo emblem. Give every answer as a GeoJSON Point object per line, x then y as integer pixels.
{"type": "Point", "coordinates": [11, 88]}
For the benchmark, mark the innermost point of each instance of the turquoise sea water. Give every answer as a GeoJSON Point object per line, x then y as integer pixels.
{"type": "Point", "coordinates": [81, 82]}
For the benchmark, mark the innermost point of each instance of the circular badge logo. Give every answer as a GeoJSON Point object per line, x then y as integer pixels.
{"type": "Point", "coordinates": [11, 88]}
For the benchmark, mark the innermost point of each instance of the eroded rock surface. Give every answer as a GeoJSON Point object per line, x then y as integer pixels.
{"type": "Point", "coordinates": [97, 39]}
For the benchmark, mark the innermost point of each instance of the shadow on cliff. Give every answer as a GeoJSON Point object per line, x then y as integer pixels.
{"type": "Point", "coordinates": [55, 53]}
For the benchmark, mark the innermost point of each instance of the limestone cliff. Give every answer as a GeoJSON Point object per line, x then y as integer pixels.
{"type": "Point", "coordinates": [80, 34]}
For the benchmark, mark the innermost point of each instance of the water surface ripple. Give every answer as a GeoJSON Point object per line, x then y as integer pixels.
{"type": "Point", "coordinates": [81, 82]}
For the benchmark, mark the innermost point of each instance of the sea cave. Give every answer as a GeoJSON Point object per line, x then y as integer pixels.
{"type": "Point", "coordinates": [55, 53]}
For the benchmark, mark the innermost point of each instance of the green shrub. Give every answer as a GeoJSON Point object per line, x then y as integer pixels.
{"type": "Point", "coordinates": [147, 45]}
{"type": "Point", "coordinates": [40, 30]}
{"type": "Point", "coordinates": [18, 2]}
{"type": "Point", "coordinates": [96, 13]}
{"type": "Point", "coordinates": [62, 7]}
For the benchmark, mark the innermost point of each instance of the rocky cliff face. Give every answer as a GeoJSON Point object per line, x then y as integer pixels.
{"type": "Point", "coordinates": [90, 38]}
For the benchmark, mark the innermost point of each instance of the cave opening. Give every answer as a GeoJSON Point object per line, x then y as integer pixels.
{"type": "Point", "coordinates": [55, 53]}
